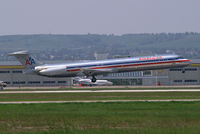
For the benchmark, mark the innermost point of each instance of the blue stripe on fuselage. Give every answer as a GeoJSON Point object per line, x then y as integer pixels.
{"type": "Point", "coordinates": [118, 63]}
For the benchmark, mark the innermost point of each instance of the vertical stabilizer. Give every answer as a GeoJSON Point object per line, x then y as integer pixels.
{"type": "Point", "coordinates": [26, 60]}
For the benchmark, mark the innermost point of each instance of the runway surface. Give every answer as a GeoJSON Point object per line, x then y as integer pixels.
{"type": "Point", "coordinates": [98, 101]}
{"type": "Point", "coordinates": [102, 91]}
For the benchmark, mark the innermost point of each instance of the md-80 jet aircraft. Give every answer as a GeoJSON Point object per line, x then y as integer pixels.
{"type": "Point", "coordinates": [98, 67]}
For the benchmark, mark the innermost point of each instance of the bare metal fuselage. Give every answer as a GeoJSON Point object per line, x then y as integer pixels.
{"type": "Point", "coordinates": [112, 66]}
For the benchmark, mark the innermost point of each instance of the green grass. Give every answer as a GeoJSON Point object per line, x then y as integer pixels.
{"type": "Point", "coordinates": [100, 118]}
{"type": "Point", "coordinates": [98, 96]}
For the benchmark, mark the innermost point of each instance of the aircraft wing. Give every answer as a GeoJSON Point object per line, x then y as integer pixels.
{"type": "Point", "coordinates": [90, 72]}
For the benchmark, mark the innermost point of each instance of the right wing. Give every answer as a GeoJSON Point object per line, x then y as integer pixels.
{"type": "Point", "coordinates": [90, 72]}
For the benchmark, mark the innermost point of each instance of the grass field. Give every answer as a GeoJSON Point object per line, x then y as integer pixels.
{"type": "Point", "coordinates": [101, 118]}
{"type": "Point", "coordinates": [98, 96]}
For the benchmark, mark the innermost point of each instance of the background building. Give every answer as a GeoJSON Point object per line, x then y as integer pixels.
{"type": "Point", "coordinates": [13, 76]}
{"type": "Point", "coordinates": [173, 76]}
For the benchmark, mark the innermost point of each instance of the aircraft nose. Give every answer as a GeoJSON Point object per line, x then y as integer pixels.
{"type": "Point", "coordinates": [188, 62]}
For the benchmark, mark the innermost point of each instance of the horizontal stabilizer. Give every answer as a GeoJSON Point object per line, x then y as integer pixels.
{"type": "Point", "coordinates": [18, 53]}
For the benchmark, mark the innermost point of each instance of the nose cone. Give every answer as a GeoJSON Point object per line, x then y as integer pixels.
{"type": "Point", "coordinates": [187, 62]}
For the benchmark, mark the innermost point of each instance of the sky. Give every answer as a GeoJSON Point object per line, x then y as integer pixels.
{"type": "Point", "coordinates": [98, 16]}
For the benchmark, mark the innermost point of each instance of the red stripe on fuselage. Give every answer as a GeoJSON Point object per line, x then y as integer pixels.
{"type": "Point", "coordinates": [73, 70]}
{"type": "Point", "coordinates": [130, 65]}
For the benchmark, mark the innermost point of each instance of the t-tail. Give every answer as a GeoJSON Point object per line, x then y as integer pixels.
{"type": "Point", "coordinates": [26, 60]}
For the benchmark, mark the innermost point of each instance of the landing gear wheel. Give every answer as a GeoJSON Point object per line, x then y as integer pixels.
{"type": "Point", "coordinates": [94, 79]}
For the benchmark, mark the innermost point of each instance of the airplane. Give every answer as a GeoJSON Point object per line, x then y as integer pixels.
{"type": "Point", "coordinates": [88, 82]}
{"type": "Point", "coordinates": [99, 67]}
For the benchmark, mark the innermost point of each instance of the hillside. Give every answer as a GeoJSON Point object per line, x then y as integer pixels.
{"type": "Point", "coordinates": [71, 47]}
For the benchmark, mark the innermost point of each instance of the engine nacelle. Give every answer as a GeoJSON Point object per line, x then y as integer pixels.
{"type": "Point", "coordinates": [52, 71]}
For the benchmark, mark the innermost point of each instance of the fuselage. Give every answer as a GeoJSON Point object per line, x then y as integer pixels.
{"type": "Point", "coordinates": [113, 65]}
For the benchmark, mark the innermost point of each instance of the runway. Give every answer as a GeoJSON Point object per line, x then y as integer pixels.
{"type": "Point", "coordinates": [98, 101]}
{"type": "Point", "coordinates": [101, 91]}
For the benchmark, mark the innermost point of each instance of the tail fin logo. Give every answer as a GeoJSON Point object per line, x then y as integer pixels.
{"type": "Point", "coordinates": [30, 61]}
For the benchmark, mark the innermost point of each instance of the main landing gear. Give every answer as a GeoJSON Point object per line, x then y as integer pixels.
{"type": "Point", "coordinates": [183, 71]}
{"type": "Point", "coordinates": [94, 79]}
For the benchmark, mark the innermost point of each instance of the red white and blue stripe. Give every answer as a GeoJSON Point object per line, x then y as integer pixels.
{"type": "Point", "coordinates": [127, 62]}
